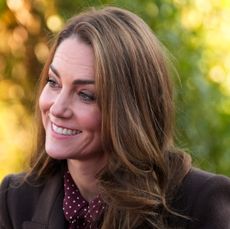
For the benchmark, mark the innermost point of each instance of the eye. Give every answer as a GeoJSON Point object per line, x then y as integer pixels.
{"type": "Point", "coordinates": [52, 83]}
{"type": "Point", "coordinates": [87, 97]}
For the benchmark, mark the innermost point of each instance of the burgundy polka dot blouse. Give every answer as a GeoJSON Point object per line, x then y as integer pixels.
{"type": "Point", "coordinates": [79, 212]}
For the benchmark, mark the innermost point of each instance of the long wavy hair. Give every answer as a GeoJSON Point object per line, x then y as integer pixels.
{"type": "Point", "coordinates": [136, 102]}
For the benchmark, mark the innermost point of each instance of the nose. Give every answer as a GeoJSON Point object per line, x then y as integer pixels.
{"type": "Point", "coordinates": [61, 106]}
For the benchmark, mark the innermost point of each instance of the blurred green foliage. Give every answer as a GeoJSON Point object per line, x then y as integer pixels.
{"type": "Point", "coordinates": [196, 32]}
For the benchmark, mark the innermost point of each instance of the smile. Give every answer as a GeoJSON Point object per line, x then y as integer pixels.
{"type": "Point", "coordinates": [64, 131]}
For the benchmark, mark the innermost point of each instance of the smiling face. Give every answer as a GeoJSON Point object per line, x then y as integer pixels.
{"type": "Point", "coordinates": [70, 114]}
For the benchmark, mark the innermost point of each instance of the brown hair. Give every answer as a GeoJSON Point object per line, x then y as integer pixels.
{"type": "Point", "coordinates": [135, 97]}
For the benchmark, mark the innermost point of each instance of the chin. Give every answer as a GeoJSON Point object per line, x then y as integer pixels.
{"type": "Point", "coordinates": [55, 154]}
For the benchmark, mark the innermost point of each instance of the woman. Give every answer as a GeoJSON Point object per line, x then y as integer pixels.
{"type": "Point", "coordinates": [105, 156]}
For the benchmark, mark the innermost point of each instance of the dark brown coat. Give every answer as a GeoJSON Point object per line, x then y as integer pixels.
{"type": "Point", "coordinates": [203, 196]}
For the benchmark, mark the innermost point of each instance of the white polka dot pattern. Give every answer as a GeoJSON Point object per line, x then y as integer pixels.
{"type": "Point", "coordinates": [79, 212]}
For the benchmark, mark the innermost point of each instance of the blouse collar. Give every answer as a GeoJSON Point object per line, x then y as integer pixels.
{"type": "Point", "coordinates": [77, 210]}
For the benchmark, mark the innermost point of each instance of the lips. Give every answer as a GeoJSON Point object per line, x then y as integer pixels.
{"type": "Point", "coordinates": [64, 131]}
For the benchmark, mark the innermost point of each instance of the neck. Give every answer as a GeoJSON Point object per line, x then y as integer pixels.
{"type": "Point", "coordinates": [84, 175]}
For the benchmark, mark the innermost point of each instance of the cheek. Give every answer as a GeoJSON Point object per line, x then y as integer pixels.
{"type": "Point", "coordinates": [91, 119]}
{"type": "Point", "coordinates": [44, 101]}
{"type": "Point", "coordinates": [97, 121]}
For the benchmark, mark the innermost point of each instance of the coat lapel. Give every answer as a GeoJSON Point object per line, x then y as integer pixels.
{"type": "Point", "coordinates": [49, 213]}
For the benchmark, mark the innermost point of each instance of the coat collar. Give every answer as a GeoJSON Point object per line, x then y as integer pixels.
{"type": "Point", "coordinates": [49, 213]}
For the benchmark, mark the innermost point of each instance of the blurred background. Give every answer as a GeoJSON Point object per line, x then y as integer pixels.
{"type": "Point", "coordinates": [196, 32]}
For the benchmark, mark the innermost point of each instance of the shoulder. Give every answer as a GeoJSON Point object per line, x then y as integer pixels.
{"type": "Point", "coordinates": [17, 199]}
{"type": "Point", "coordinates": [205, 198]}
{"type": "Point", "coordinates": [211, 208]}
{"type": "Point", "coordinates": [25, 200]}
{"type": "Point", "coordinates": [16, 185]}
{"type": "Point", "coordinates": [198, 180]}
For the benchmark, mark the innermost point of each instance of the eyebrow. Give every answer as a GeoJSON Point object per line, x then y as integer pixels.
{"type": "Point", "coordinates": [75, 82]}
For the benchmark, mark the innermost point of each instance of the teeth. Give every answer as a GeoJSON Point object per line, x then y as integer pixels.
{"type": "Point", "coordinates": [64, 131]}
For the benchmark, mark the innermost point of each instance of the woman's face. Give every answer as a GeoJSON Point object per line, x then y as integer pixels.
{"type": "Point", "coordinates": [70, 114]}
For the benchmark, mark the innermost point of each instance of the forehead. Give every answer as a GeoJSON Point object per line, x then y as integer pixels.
{"type": "Point", "coordinates": [74, 57]}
